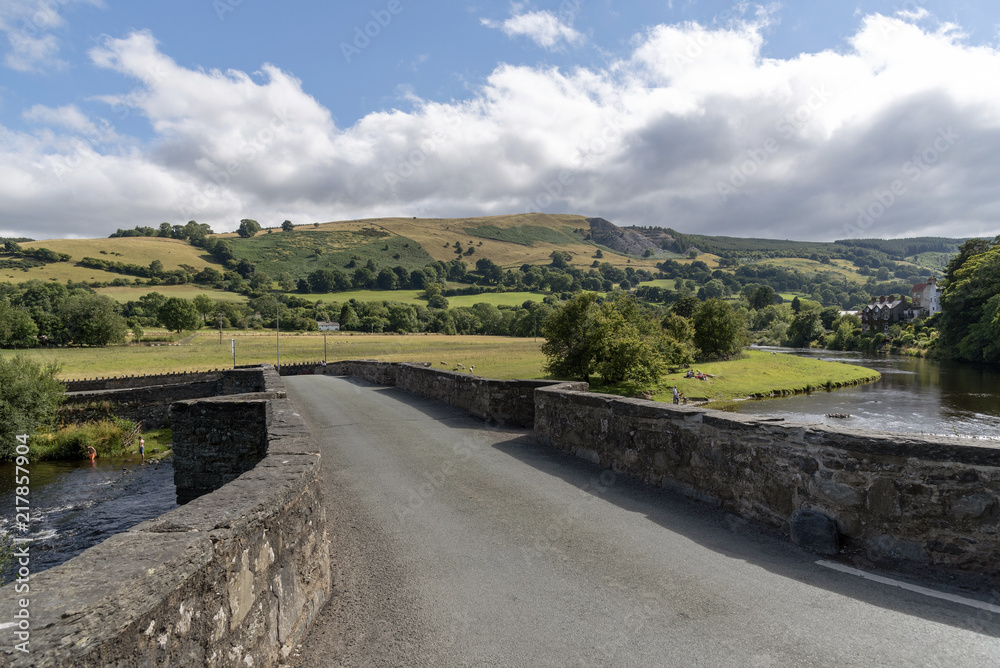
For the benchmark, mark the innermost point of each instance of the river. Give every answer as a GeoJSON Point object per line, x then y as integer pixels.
{"type": "Point", "coordinates": [74, 505]}
{"type": "Point", "coordinates": [914, 396]}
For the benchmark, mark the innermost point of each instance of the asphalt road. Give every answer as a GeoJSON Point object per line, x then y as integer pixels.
{"type": "Point", "coordinates": [460, 544]}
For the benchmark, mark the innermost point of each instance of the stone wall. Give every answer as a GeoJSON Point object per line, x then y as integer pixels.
{"type": "Point", "coordinates": [894, 499]}
{"type": "Point", "coordinates": [125, 382]}
{"type": "Point", "coordinates": [217, 440]}
{"type": "Point", "coordinates": [147, 399]}
{"type": "Point", "coordinates": [507, 402]}
{"type": "Point", "coordinates": [149, 405]}
{"type": "Point", "coordinates": [233, 578]}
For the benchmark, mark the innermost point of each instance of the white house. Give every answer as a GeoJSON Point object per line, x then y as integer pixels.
{"type": "Point", "coordinates": [328, 326]}
{"type": "Point", "coordinates": [927, 297]}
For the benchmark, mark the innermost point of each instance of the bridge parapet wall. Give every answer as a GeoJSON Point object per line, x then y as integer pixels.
{"type": "Point", "coordinates": [233, 578]}
{"type": "Point", "coordinates": [144, 399]}
{"type": "Point", "coordinates": [506, 402]}
{"type": "Point", "coordinates": [896, 499]}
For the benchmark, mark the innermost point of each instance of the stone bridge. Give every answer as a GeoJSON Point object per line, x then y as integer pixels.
{"type": "Point", "coordinates": [236, 576]}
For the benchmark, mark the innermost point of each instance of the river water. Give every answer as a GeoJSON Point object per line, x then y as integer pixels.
{"type": "Point", "coordinates": [74, 505]}
{"type": "Point", "coordinates": [914, 396]}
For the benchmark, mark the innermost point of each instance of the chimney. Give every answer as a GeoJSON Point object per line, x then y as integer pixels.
{"type": "Point", "coordinates": [881, 300]}
{"type": "Point", "coordinates": [932, 280]}
{"type": "Point", "coordinates": [873, 300]}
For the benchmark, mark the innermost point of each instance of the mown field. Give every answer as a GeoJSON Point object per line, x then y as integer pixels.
{"type": "Point", "coordinates": [760, 373]}
{"type": "Point", "coordinates": [754, 373]}
{"type": "Point", "coordinates": [495, 356]}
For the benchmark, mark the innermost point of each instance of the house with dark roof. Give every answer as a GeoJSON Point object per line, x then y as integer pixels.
{"type": "Point", "coordinates": [882, 312]}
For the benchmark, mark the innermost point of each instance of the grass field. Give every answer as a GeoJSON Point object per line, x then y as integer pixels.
{"type": "Point", "coordinates": [841, 267]}
{"type": "Point", "coordinates": [497, 299]}
{"type": "Point", "coordinates": [666, 283]}
{"type": "Point", "coordinates": [125, 294]}
{"type": "Point", "coordinates": [754, 373]}
{"type": "Point", "coordinates": [494, 356]}
{"type": "Point", "coordinates": [759, 373]}
{"type": "Point", "coordinates": [403, 296]}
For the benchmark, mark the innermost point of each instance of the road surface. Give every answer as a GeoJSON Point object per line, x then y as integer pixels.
{"type": "Point", "coordinates": [460, 544]}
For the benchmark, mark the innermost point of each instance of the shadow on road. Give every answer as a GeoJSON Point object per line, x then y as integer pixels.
{"type": "Point", "coordinates": [722, 532]}
{"type": "Point", "coordinates": [755, 543]}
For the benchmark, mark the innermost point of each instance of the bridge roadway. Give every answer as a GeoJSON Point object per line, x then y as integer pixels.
{"type": "Point", "coordinates": [460, 544]}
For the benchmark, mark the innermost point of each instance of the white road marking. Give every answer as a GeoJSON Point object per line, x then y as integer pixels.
{"type": "Point", "coordinates": [954, 598]}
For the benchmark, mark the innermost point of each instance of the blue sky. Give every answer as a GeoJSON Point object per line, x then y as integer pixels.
{"type": "Point", "coordinates": [815, 120]}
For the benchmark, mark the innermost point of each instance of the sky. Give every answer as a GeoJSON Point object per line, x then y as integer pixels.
{"type": "Point", "coordinates": [813, 120]}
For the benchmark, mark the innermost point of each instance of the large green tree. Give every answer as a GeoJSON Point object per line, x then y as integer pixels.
{"type": "Point", "coordinates": [616, 339]}
{"type": "Point", "coordinates": [719, 330]}
{"type": "Point", "coordinates": [17, 329]}
{"type": "Point", "coordinates": [248, 228]}
{"type": "Point", "coordinates": [29, 397]}
{"type": "Point", "coordinates": [970, 317]}
{"type": "Point", "coordinates": [178, 314]}
{"type": "Point", "coordinates": [806, 327]}
{"type": "Point", "coordinates": [93, 320]}
{"type": "Point", "coordinates": [572, 338]}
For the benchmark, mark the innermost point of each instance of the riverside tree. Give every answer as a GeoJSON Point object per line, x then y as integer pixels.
{"type": "Point", "coordinates": [719, 330]}
{"type": "Point", "coordinates": [616, 339]}
{"type": "Point", "coordinates": [970, 303]}
{"type": "Point", "coordinates": [29, 397]}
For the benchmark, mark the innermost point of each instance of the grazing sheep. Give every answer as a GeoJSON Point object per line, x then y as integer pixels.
{"type": "Point", "coordinates": [472, 369]}
{"type": "Point", "coordinates": [444, 364]}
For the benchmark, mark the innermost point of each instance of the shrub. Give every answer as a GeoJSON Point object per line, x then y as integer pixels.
{"type": "Point", "coordinates": [29, 397]}
{"type": "Point", "coordinates": [111, 438]}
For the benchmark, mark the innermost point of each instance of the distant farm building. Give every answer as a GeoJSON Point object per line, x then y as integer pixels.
{"type": "Point", "coordinates": [329, 326]}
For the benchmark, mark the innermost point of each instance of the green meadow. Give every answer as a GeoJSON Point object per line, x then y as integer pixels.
{"type": "Point", "coordinates": [752, 374]}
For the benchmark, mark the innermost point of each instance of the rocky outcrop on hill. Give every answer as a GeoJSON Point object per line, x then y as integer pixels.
{"type": "Point", "coordinates": [618, 239]}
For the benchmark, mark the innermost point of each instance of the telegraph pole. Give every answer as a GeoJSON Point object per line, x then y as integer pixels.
{"type": "Point", "coordinates": [277, 334]}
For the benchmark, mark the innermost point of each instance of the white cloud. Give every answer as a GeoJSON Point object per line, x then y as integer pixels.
{"type": "Point", "coordinates": [542, 27]}
{"type": "Point", "coordinates": [28, 26]}
{"type": "Point", "coordinates": [694, 129]}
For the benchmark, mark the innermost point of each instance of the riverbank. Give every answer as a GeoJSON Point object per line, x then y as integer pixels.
{"type": "Point", "coordinates": [758, 374]}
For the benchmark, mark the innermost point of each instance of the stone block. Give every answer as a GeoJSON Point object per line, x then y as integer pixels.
{"type": "Point", "coordinates": [884, 548]}
{"type": "Point", "coordinates": [814, 531]}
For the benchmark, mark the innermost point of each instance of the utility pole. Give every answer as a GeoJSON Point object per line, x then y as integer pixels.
{"type": "Point", "coordinates": [324, 347]}
{"type": "Point", "coordinates": [234, 353]}
{"type": "Point", "coordinates": [277, 334]}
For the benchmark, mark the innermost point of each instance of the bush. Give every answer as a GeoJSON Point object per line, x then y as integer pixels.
{"type": "Point", "coordinates": [29, 397]}
{"type": "Point", "coordinates": [111, 438]}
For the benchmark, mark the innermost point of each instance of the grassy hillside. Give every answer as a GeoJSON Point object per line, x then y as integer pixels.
{"type": "Point", "coordinates": [131, 250]}
{"type": "Point", "coordinates": [304, 250]}
{"type": "Point", "coordinates": [510, 240]}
